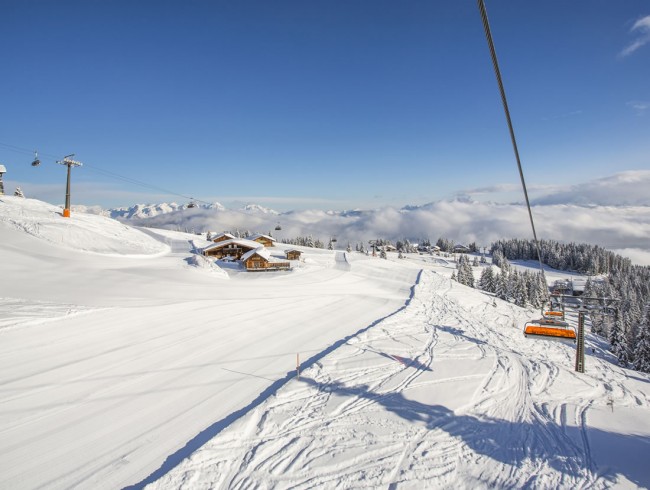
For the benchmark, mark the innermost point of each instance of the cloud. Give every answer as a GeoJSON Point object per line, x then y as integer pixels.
{"type": "Point", "coordinates": [639, 106]}
{"type": "Point", "coordinates": [623, 189]}
{"type": "Point", "coordinates": [615, 228]}
{"type": "Point", "coordinates": [642, 29]}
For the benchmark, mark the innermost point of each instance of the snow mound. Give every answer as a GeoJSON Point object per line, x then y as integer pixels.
{"type": "Point", "coordinates": [83, 232]}
{"type": "Point", "coordinates": [202, 263]}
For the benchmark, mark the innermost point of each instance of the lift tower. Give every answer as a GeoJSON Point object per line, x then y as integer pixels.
{"type": "Point", "coordinates": [68, 162]}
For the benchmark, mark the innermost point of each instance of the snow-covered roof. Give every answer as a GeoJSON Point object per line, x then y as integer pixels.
{"type": "Point", "coordinates": [259, 235]}
{"type": "Point", "coordinates": [261, 251]}
{"type": "Point", "coordinates": [3, 169]}
{"type": "Point", "coordinates": [242, 242]}
{"type": "Point", "coordinates": [231, 237]}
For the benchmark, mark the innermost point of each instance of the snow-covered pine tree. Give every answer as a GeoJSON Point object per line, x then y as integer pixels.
{"type": "Point", "coordinates": [520, 291]}
{"type": "Point", "coordinates": [501, 283]}
{"type": "Point", "coordinates": [19, 192]}
{"type": "Point", "coordinates": [475, 262]}
{"type": "Point", "coordinates": [616, 341]}
{"type": "Point", "coordinates": [642, 348]}
{"type": "Point", "coordinates": [469, 275]}
{"type": "Point", "coordinates": [487, 280]}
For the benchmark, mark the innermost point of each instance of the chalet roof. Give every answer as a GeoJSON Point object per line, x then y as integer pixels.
{"type": "Point", "coordinates": [259, 235]}
{"type": "Point", "coordinates": [220, 235]}
{"type": "Point", "coordinates": [242, 242]}
{"type": "Point", "coordinates": [293, 250]}
{"type": "Point", "coordinates": [261, 251]}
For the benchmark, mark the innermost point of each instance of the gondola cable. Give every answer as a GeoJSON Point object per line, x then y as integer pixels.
{"type": "Point", "coordinates": [113, 175]}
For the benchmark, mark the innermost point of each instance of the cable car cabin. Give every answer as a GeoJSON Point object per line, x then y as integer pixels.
{"type": "Point", "coordinates": [550, 331]}
{"type": "Point", "coordinates": [278, 228]}
{"type": "Point", "coordinates": [191, 204]}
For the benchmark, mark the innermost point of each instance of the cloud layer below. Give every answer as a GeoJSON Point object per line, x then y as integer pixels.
{"type": "Point", "coordinates": [622, 228]}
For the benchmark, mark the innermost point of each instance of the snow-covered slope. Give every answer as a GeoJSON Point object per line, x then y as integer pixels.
{"type": "Point", "coordinates": [91, 233]}
{"type": "Point", "coordinates": [147, 365]}
{"type": "Point", "coordinates": [445, 393]}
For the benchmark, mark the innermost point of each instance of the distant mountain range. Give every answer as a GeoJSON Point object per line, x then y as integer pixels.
{"type": "Point", "coordinates": [143, 211]}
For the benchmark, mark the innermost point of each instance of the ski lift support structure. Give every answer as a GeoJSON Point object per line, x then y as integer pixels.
{"type": "Point", "coordinates": [541, 328]}
{"type": "Point", "coordinates": [68, 162]}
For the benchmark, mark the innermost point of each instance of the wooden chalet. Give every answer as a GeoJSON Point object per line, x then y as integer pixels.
{"type": "Point", "coordinates": [260, 260]}
{"type": "Point", "coordinates": [222, 237]}
{"type": "Point", "coordinates": [234, 248]}
{"type": "Point", "coordinates": [266, 240]}
{"type": "Point", "coordinates": [293, 254]}
{"type": "Point", "coordinates": [461, 249]}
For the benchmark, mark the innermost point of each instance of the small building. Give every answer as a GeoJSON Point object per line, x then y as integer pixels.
{"type": "Point", "coordinates": [222, 237]}
{"type": "Point", "coordinates": [260, 260]}
{"type": "Point", "coordinates": [234, 248]}
{"type": "Point", "coordinates": [293, 254]}
{"type": "Point", "coordinates": [461, 249]}
{"type": "Point", "coordinates": [266, 240]}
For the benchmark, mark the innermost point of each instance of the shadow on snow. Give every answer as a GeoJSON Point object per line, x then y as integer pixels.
{"type": "Point", "coordinates": [213, 430]}
{"type": "Point", "coordinates": [566, 449]}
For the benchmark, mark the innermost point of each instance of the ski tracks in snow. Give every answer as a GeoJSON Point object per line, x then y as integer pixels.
{"type": "Point", "coordinates": [437, 395]}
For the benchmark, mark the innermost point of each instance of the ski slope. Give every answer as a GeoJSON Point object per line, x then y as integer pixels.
{"type": "Point", "coordinates": [125, 360]}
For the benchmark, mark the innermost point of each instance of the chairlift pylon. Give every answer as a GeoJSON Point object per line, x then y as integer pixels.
{"type": "Point", "coordinates": [36, 161]}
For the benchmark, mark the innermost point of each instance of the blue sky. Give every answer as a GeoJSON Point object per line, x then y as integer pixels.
{"type": "Point", "coordinates": [319, 104]}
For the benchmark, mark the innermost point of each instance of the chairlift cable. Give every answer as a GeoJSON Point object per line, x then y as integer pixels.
{"type": "Point", "coordinates": [497, 72]}
{"type": "Point", "coordinates": [108, 173]}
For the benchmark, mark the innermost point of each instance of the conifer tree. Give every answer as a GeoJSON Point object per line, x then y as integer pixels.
{"type": "Point", "coordinates": [487, 280]}
{"type": "Point", "coordinates": [642, 349]}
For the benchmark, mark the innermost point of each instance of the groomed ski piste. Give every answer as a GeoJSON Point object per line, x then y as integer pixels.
{"type": "Point", "coordinates": [128, 361]}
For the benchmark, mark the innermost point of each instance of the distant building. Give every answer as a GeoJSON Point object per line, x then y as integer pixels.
{"type": "Point", "coordinates": [293, 254]}
{"type": "Point", "coordinates": [266, 240]}
{"type": "Point", "coordinates": [222, 237]}
{"type": "Point", "coordinates": [260, 260]}
{"type": "Point", "coordinates": [461, 249]}
{"type": "Point", "coordinates": [234, 248]}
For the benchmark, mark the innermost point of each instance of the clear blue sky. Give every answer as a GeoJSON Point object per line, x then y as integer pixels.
{"type": "Point", "coordinates": [323, 104]}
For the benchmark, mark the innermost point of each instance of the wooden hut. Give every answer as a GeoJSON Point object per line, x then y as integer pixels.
{"type": "Point", "coordinates": [260, 260]}
{"type": "Point", "coordinates": [266, 240]}
{"type": "Point", "coordinates": [234, 248]}
{"type": "Point", "coordinates": [222, 237]}
{"type": "Point", "coordinates": [293, 254]}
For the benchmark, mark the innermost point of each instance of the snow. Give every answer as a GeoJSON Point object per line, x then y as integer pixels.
{"type": "Point", "coordinates": [125, 359]}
